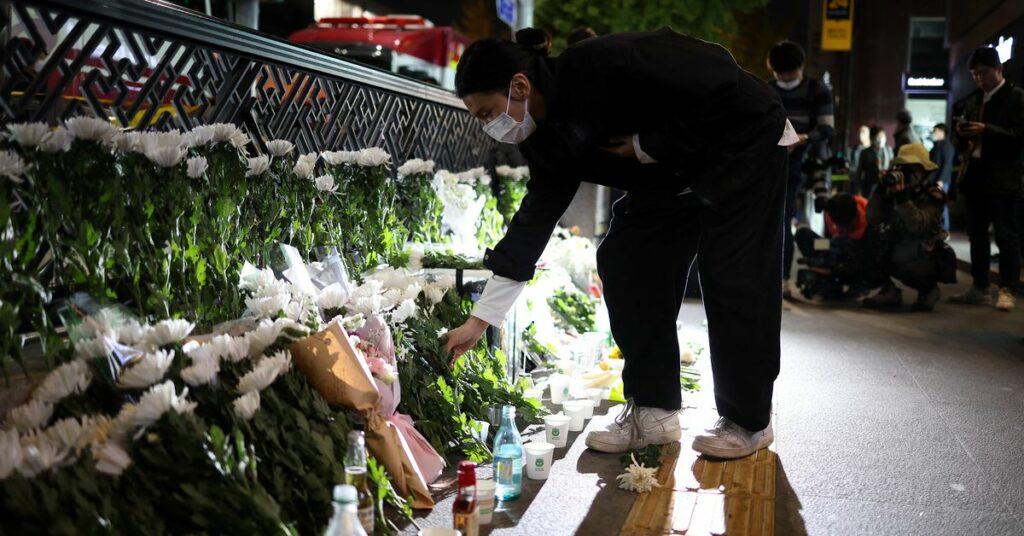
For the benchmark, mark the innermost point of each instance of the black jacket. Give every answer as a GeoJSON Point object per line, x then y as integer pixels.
{"type": "Point", "coordinates": [704, 119]}
{"type": "Point", "coordinates": [1002, 142]}
{"type": "Point", "coordinates": [942, 154]}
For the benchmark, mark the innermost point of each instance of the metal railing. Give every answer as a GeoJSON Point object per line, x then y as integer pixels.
{"type": "Point", "coordinates": [150, 64]}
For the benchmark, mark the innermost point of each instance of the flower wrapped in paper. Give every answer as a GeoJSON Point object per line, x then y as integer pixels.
{"type": "Point", "coordinates": [340, 373]}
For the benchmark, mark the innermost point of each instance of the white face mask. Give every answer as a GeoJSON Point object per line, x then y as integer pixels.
{"type": "Point", "coordinates": [506, 129]}
{"type": "Point", "coordinates": [791, 84]}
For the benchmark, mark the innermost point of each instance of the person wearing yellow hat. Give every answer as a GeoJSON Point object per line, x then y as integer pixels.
{"type": "Point", "coordinates": [907, 238]}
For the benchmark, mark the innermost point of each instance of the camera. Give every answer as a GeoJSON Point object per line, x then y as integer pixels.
{"type": "Point", "coordinates": [818, 165]}
{"type": "Point", "coordinates": [892, 178]}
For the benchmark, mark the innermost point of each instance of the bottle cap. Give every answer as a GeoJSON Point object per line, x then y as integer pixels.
{"type": "Point", "coordinates": [467, 473]}
{"type": "Point", "coordinates": [345, 493]}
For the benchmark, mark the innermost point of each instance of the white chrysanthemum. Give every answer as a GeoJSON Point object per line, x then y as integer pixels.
{"type": "Point", "coordinates": [365, 305]}
{"type": "Point", "coordinates": [95, 429]}
{"type": "Point", "coordinates": [325, 183]}
{"type": "Point", "coordinates": [332, 296]}
{"type": "Point", "coordinates": [58, 142]}
{"type": "Point", "coordinates": [404, 312]}
{"type": "Point", "coordinates": [280, 147]}
{"type": "Point", "coordinates": [373, 157]}
{"type": "Point", "coordinates": [92, 129]}
{"type": "Point", "coordinates": [257, 166]}
{"type": "Point", "coordinates": [210, 134]}
{"type": "Point", "coordinates": [308, 159]}
{"type": "Point", "coordinates": [130, 142]}
{"type": "Point", "coordinates": [149, 369]}
{"type": "Point", "coordinates": [294, 310]}
{"type": "Point", "coordinates": [30, 415]}
{"type": "Point", "coordinates": [131, 332]}
{"type": "Point", "coordinates": [28, 134]}
{"type": "Point", "coordinates": [199, 136]}
{"type": "Point", "coordinates": [197, 167]}
{"type": "Point", "coordinates": [12, 166]}
{"type": "Point", "coordinates": [97, 324]}
{"type": "Point", "coordinates": [257, 280]}
{"type": "Point", "coordinates": [38, 456]}
{"type": "Point", "coordinates": [96, 346]}
{"type": "Point", "coordinates": [246, 405]}
{"type": "Point", "coordinates": [473, 175]}
{"type": "Point", "coordinates": [485, 180]}
{"type": "Point", "coordinates": [273, 288]}
{"type": "Point", "coordinates": [240, 139]}
{"type": "Point", "coordinates": [391, 298]}
{"type": "Point", "coordinates": [158, 400]}
{"type": "Point", "coordinates": [203, 371]}
{"type": "Point", "coordinates": [122, 425]}
{"type": "Point", "coordinates": [504, 171]}
{"type": "Point", "coordinates": [434, 293]}
{"type": "Point", "coordinates": [443, 177]}
{"type": "Point", "coordinates": [303, 170]}
{"type": "Point", "coordinates": [638, 478]}
{"type": "Point", "coordinates": [412, 291]}
{"type": "Point", "coordinates": [416, 166]}
{"type": "Point", "coordinates": [69, 378]}
{"type": "Point", "coordinates": [337, 158]}
{"type": "Point", "coordinates": [228, 348]}
{"type": "Point", "coordinates": [166, 157]}
{"type": "Point", "coordinates": [445, 282]}
{"type": "Point", "coordinates": [111, 458]}
{"type": "Point", "coordinates": [160, 140]}
{"type": "Point", "coordinates": [65, 433]}
{"type": "Point", "coordinates": [265, 372]}
{"type": "Point", "coordinates": [521, 172]}
{"type": "Point", "coordinates": [416, 258]}
{"type": "Point", "coordinates": [368, 288]}
{"type": "Point", "coordinates": [269, 306]}
{"type": "Point", "coordinates": [259, 339]}
{"type": "Point", "coordinates": [516, 174]}
{"type": "Point", "coordinates": [168, 332]}
{"type": "Point", "coordinates": [10, 452]}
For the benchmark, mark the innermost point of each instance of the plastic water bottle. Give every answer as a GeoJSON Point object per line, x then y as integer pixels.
{"type": "Point", "coordinates": [346, 513]}
{"type": "Point", "coordinates": [508, 457]}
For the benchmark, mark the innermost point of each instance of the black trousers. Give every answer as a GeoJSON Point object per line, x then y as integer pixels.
{"type": "Point", "coordinates": [643, 262]}
{"type": "Point", "coordinates": [794, 180]}
{"type": "Point", "coordinates": [999, 212]}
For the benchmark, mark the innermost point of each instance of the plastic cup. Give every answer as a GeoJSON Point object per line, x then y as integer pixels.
{"type": "Point", "coordinates": [485, 500]}
{"type": "Point", "coordinates": [440, 531]}
{"type": "Point", "coordinates": [556, 428]}
{"type": "Point", "coordinates": [596, 394]}
{"type": "Point", "coordinates": [559, 388]}
{"type": "Point", "coordinates": [588, 408]}
{"type": "Point", "coordinates": [576, 410]}
{"type": "Point", "coordinates": [538, 460]}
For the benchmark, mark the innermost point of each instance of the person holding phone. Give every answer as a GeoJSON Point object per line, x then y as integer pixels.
{"type": "Point", "coordinates": [698, 145]}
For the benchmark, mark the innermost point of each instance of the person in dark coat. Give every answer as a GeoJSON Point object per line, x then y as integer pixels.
{"type": "Point", "coordinates": [942, 154]}
{"type": "Point", "coordinates": [697, 144]}
{"type": "Point", "coordinates": [990, 137]}
{"type": "Point", "coordinates": [904, 134]}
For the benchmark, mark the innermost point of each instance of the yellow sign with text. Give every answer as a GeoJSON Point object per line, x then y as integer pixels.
{"type": "Point", "coordinates": [837, 25]}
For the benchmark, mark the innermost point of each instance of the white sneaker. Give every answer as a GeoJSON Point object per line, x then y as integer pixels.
{"type": "Point", "coordinates": [636, 428]}
{"type": "Point", "coordinates": [729, 440]}
{"type": "Point", "coordinates": [1005, 301]}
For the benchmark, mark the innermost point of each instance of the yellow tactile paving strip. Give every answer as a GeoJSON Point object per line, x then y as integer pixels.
{"type": "Point", "coordinates": [703, 497]}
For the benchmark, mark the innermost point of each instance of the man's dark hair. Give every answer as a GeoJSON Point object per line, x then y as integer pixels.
{"type": "Point", "coordinates": [579, 34]}
{"type": "Point", "coordinates": [786, 56]}
{"type": "Point", "coordinates": [984, 57]}
{"type": "Point", "coordinates": [842, 208]}
{"type": "Point", "coordinates": [904, 117]}
{"type": "Point", "coordinates": [488, 65]}
{"type": "Point", "coordinates": [874, 132]}
{"type": "Point", "coordinates": [940, 126]}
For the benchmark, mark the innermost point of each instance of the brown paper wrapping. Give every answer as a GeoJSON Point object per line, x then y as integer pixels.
{"type": "Point", "coordinates": [335, 369]}
{"type": "Point", "coordinates": [391, 450]}
{"type": "Point", "coordinates": [339, 373]}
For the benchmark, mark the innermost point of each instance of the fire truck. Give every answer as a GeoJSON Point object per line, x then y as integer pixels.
{"type": "Point", "coordinates": [404, 44]}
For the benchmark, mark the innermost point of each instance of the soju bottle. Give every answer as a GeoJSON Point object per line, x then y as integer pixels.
{"type": "Point", "coordinates": [346, 519]}
{"type": "Point", "coordinates": [465, 516]}
{"type": "Point", "coordinates": [508, 457]}
{"type": "Point", "coordinates": [355, 475]}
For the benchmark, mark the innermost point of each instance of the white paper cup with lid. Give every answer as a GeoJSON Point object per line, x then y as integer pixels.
{"type": "Point", "coordinates": [538, 460]}
{"type": "Point", "coordinates": [556, 428]}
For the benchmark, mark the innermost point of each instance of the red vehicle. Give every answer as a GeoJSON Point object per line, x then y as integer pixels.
{"type": "Point", "coordinates": [403, 44]}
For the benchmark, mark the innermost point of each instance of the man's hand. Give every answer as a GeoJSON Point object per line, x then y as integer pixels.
{"type": "Point", "coordinates": [621, 146]}
{"type": "Point", "coordinates": [970, 129]}
{"type": "Point", "coordinates": [464, 337]}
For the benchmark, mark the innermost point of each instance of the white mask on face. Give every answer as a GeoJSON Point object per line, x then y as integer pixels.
{"type": "Point", "coordinates": [506, 129]}
{"type": "Point", "coordinates": [788, 85]}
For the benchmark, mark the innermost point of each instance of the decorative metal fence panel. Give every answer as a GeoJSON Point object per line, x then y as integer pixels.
{"type": "Point", "coordinates": [147, 64]}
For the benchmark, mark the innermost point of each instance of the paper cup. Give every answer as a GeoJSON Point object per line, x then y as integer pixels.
{"type": "Point", "coordinates": [596, 394]}
{"type": "Point", "coordinates": [559, 388]}
{"type": "Point", "coordinates": [576, 410]}
{"type": "Point", "coordinates": [440, 531]}
{"type": "Point", "coordinates": [485, 500]}
{"type": "Point", "coordinates": [556, 428]}
{"type": "Point", "coordinates": [588, 408]}
{"type": "Point", "coordinates": [538, 460]}
{"type": "Point", "coordinates": [566, 366]}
